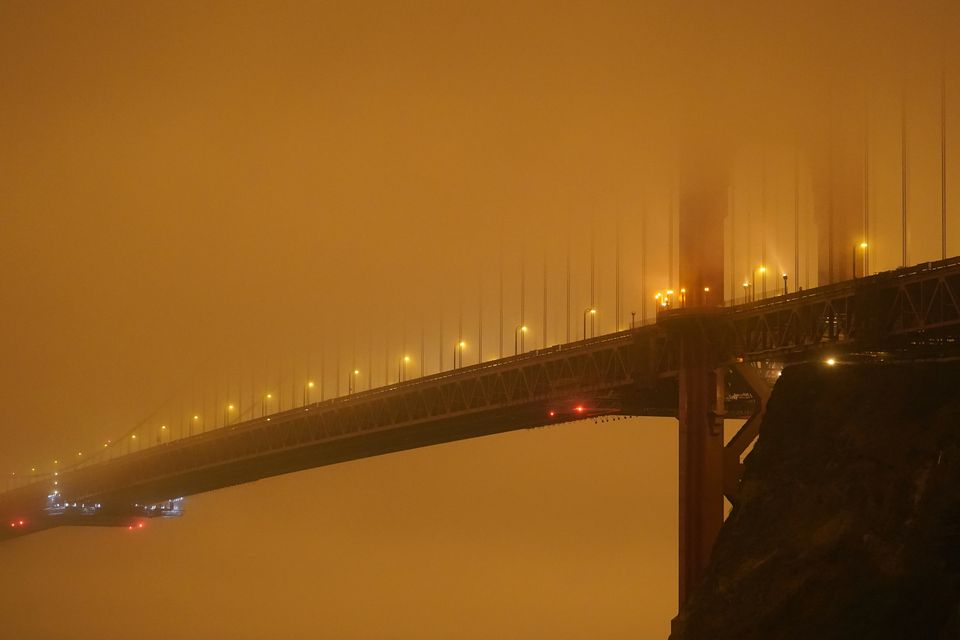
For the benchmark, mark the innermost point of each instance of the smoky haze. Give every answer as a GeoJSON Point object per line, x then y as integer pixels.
{"type": "Point", "coordinates": [200, 204]}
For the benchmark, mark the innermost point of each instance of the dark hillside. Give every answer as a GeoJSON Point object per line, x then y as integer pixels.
{"type": "Point", "coordinates": [849, 526]}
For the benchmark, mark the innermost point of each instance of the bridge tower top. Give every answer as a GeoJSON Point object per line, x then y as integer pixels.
{"type": "Point", "coordinates": [702, 209]}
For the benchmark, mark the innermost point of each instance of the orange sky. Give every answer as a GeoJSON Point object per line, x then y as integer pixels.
{"type": "Point", "coordinates": [199, 196]}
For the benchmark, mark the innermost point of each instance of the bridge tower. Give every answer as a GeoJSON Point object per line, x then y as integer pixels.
{"type": "Point", "coordinates": [839, 198]}
{"type": "Point", "coordinates": [838, 204]}
{"type": "Point", "coordinates": [702, 210]}
{"type": "Point", "coordinates": [703, 207]}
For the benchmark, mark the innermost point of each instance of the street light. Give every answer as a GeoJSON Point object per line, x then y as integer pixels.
{"type": "Point", "coordinates": [306, 391]}
{"type": "Point", "coordinates": [402, 368]}
{"type": "Point", "coordinates": [683, 298]}
{"type": "Point", "coordinates": [863, 247]}
{"type": "Point", "coordinates": [746, 291]}
{"type": "Point", "coordinates": [518, 334]}
{"type": "Point", "coordinates": [263, 404]}
{"type": "Point", "coordinates": [226, 414]}
{"type": "Point", "coordinates": [706, 292]}
{"type": "Point", "coordinates": [458, 350]}
{"type": "Point", "coordinates": [592, 313]}
{"type": "Point", "coordinates": [763, 281]}
{"type": "Point", "coordinates": [785, 289]}
{"type": "Point", "coordinates": [351, 384]}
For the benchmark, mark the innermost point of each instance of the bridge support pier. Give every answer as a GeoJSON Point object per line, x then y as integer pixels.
{"type": "Point", "coordinates": [701, 458]}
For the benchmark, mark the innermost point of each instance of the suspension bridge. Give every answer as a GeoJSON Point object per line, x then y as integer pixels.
{"type": "Point", "coordinates": [712, 352]}
{"type": "Point", "coordinates": [698, 363]}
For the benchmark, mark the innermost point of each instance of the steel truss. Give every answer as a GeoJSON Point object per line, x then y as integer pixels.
{"type": "Point", "coordinates": [631, 373]}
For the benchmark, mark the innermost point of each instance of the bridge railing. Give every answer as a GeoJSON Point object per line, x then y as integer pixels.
{"type": "Point", "coordinates": [143, 437]}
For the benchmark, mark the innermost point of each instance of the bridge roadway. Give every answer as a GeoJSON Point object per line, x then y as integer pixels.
{"type": "Point", "coordinates": [678, 367]}
{"type": "Point", "coordinates": [612, 374]}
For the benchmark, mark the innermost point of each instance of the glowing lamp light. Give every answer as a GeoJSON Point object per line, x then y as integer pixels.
{"type": "Point", "coordinates": [551, 413]}
{"type": "Point", "coordinates": [578, 408]}
{"type": "Point", "coordinates": [356, 372]}
{"type": "Point", "coordinates": [706, 289]}
{"type": "Point", "coordinates": [863, 245]}
{"type": "Point", "coordinates": [310, 385]}
{"type": "Point", "coordinates": [593, 311]}
{"type": "Point", "coordinates": [406, 358]}
{"type": "Point", "coordinates": [830, 361]}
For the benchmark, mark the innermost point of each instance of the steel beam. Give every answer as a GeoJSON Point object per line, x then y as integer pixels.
{"type": "Point", "coordinates": [748, 432]}
{"type": "Point", "coordinates": [701, 458]}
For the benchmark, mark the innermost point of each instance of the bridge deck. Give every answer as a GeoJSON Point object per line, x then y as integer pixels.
{"type": "Point", "coordinates": [631, 373]}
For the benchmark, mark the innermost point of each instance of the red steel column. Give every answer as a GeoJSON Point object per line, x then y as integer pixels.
{"type": "Point", "coordinates": [838, 200]}
{"type": "Point", "coordinates": [703, 207]}
{"type": "Point", "coordinates": [701, 459]}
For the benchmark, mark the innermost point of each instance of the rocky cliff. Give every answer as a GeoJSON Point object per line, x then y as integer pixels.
{"type": "Point", "coordinates": [849, 523]}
